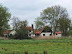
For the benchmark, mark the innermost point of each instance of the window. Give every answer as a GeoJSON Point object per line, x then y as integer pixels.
{"type": "Point", "coordinates": [43, 34]}
{"type": "Point", "coordinates": [29, 30]}
{"type": "Point", "coordinates": [29, 34]}
{"type": "Point", "coordinates": [6, 35]}
{"type": "Point", "coordinates": [50, 34]}
{"type": "Point", "coordinates": [10, 34]}
{"type": "Point", "coordinates": [56, 34]}
{"type": "Point", "coordinates": [37, 34]}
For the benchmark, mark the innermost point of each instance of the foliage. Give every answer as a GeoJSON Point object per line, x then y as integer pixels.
{"type": "Point", "coordinates": [4, 18]}
{"type": "Point", "coordinates": [21, 30]}
{"type": "Point", "coordinates": [11, 36]}
{"type": "Point", "coordinates": [64, 24]}
{"type": "Point", "coordinates": [39, 24]}
{"type": "Point", "coordinates": [47, 29]}
{"type": "Point", "coordinates": [22, 33]}
{"type": "Point", "coordinates": [52, 14]}
{"type": "Point", "coordinates": [70, 32]}
{"type": "Point", "coordinates": [15, 23]}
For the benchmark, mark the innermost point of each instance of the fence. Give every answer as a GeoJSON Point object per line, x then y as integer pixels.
{"type": "Point", "coordinates": [45, 52]}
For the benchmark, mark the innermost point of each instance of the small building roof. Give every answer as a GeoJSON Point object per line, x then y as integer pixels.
{"type": "Point", "coordinates": [7, 31]}
{"type": "Point", "coordinates": [58, 32]}
{"type": "Point", "coordinates": [37, 31]}
{"type": "Point", "coordinates": [30, 28]}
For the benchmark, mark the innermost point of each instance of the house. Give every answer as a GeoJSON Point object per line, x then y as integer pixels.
{"type": "Point", "coordinates": [46, 31]}
{"type": "Point", "coordinates": [12, 32]}
{"type": "Point", "coordinates": [9, 32]}
{"type": "Point", "coordinates": [58, 34]}
{"type": "Point", "coordinates": [31, 31]}
{"type": "Point", "coordinates": [6, 33]}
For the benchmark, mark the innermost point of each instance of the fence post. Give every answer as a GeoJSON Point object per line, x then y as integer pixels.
{"type": "Point", "coordinates": [13, 53]}
{"type": "Point", "coordinates": [26, 52]}
{"type": "Point", "coordinates": [45, 52]}
{"type": "Point", "coordinates": [36, 53]}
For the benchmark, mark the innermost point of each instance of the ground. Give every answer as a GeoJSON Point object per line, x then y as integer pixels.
{"type": "Point", "coordinates": [52, 46]}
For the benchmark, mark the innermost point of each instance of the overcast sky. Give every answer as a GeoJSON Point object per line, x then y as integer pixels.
{"type": "Point", "coordinates": [30, 9]}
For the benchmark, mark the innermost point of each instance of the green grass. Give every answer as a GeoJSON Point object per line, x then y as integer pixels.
{"type": "Point", "coordinates": [53, 46]}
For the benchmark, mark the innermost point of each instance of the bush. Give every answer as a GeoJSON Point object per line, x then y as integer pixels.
{"type": "Point", "coordinates": [21, 37]}
{"type": "Point", "coordinates": [11, 36]}
{"type": "Point", "coordinates": [21, 34]}
{"type": "Point", "coordinates": [70, 32]}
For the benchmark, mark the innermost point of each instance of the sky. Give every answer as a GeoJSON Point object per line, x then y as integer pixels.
{"type": "Point", "coordinates": [30, 9]}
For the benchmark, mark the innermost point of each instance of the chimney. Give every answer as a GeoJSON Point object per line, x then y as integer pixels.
{"type": "Point", "coordinates": [32, 26]}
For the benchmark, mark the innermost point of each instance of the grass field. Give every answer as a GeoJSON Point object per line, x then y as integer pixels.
{"type": "Point", "coordinates": [53, 46]}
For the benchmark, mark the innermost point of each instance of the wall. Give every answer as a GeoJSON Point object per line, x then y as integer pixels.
{"type": "Point", "coordinates": [12, 32]}
{"type": "Point", "coordinates": [58, 35]}
{"type": "Point", "coordinates": [5, 35]}
{"type": "Point", "coordinates": [46, 33]}
{"type": "Point", "coordinates": [31, 34]}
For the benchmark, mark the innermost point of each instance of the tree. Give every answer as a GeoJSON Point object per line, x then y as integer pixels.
{"type": "Point", "coordinates": [22, 32]}
{"type": "Point", "coordinates": [4, 18]}
{"type": "Point", "coordinates": [64, 24]}
{"type": "Point", "coordinates": [52, 14]}
{"type": "Point", "coordinates": [39, 24]}
{"type": "Point", "coordinates": [15, 23]}
{"type": "Point", "coordinates": [70, 30]}
{"type": "Point", "coordinates": [21, 28]}
{"type": "Point", "coordinates": [23, 24]}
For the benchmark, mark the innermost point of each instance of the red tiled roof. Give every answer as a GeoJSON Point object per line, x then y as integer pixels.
{"type": "Point", "coordinates": [58, 32]}
{"type": "Point", "coordinates": [30, 28]}
{"type": "Point", "coordinates": [6, 32]}
{"type": "Point", "coordinates": [37, 31]}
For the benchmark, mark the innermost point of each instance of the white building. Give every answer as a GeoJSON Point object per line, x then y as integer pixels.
{"type": "Point", "coordinates": [12, 32]}
{"type": "Point", "coordinates": [46, 31]}
{"type": "Point", "coordinates": [58, 34]}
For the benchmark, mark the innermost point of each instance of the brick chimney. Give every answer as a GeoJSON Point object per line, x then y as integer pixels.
{"type": "Point", "coordinates": [32, 26]}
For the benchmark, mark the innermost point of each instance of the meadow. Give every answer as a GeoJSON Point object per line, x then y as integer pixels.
{"type": "Point", "coordinates": [52, 46]}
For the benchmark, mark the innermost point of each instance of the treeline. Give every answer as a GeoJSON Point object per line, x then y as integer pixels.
{"type": "Point", "coordinates": [56, 17]}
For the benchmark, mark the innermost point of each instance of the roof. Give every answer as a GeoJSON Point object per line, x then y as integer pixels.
{"type": "Point", "coordinates": [30, 28]}
{"type": "Point", "coordinates": [58, 32]}
{"type": "Point", "coordinates": [37, 31]}
{"type": "Point", "coordinates": [7, 31]}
